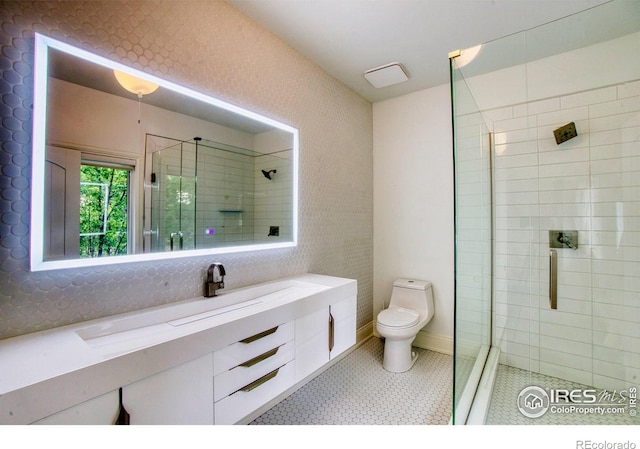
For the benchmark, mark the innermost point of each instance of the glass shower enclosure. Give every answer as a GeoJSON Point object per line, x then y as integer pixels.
{"type": "Point", "coordinates": [205, 194]}
{"type": "Point", "coordinates": [547, 216]}
{"type": "Point", "coordinates": [173, 195]}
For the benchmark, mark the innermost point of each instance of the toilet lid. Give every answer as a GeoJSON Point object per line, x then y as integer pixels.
{"type": "Point", "coordinates": [398, 317]}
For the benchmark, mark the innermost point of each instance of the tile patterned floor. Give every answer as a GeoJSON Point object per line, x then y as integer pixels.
{"type": "Point", "coordinates": [358, 391]}
{"type": "Point", "coordinates": [510, 381]}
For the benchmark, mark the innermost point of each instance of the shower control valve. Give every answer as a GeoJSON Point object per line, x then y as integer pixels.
{"type": "Point", "coordinates": [563, 239]}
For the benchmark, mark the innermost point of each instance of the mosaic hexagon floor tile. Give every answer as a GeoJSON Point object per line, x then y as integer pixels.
{"type": "Point", "coordinates": [358, 391]}
{"type": "Point", "coordinates": [511, 381]}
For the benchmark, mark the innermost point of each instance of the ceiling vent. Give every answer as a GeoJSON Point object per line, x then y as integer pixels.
{"type": "Point", "coordinates": [386, 75]}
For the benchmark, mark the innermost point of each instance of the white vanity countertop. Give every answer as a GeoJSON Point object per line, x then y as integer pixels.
{"type": "Point", "coordinates": [45, 372]}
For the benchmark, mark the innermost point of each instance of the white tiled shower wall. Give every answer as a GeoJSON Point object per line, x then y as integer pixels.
{"type": "Point", "coordinates": [218, 195]}
{"type": "Point", "coordinates": [591, 184]}
{"type": "Point", "coordinates": [225, 183]}
{"type": "Point", "coordinates": [273, 204]}
{"type": "Point", "coordinates": [473, 229]}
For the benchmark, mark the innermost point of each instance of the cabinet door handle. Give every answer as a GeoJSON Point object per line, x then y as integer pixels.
{"type": "Point", "coordinates": [259, 335]}
{"type": "Point", "coordinates": [260, 358]}
{"type": "Point", "coordinates": [123, 416]}
{"type": "Point", "coordinates": [256, 383]}
{"type": "Point", "coordinates": [331, 331]}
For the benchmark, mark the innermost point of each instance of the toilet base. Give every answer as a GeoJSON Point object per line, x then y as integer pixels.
{"type": "Point", "coordinates": [398, 355]}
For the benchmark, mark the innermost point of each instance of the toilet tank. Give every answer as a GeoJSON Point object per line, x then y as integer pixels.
{"type": "Point", "coordinates": [412, 294]}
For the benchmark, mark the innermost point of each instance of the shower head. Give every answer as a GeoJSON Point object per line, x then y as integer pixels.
{"type": "Point", "coordinates": [565, 133]}
{"type": "Point", "coordinates": [267, 174]}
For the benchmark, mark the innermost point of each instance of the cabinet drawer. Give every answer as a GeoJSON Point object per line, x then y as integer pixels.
{"type": "Point", "coordinates": [238, 405]}
{"type": "Point", "coordinates": [236, 378]}
{"type": "Point", "coordinates": [233, 355]}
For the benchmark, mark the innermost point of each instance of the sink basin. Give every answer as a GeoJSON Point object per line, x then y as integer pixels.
{"type": "Point", "coordinates": [291, 292]}
{"type": "Point", "coordinates": [145, 325]}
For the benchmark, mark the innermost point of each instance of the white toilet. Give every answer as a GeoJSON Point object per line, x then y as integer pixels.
{"type": "Point", "coordinates": [410, 309]}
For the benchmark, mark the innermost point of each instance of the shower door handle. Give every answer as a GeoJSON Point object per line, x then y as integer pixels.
{"type": "Point", "coordinates": [180, 240]}
{"type": "Point", "coordinates": [553, 279]}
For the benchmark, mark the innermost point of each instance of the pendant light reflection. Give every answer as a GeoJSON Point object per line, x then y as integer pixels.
{"type": "Point", "coordinates": [134, 84]}
{"type": "Point", "coordinates": [467, 55]}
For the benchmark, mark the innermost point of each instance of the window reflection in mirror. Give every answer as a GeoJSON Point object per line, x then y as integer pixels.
{"type": "Point", "coordinates": [104, 211]}
{"type": "Point", "coordinates": [120, 176]}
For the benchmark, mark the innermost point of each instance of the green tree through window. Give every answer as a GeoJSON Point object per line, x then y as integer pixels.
{"type": "Point", "coordinates": [104, 201]}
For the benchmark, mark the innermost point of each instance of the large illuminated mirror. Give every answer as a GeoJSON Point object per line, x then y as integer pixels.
{"type": "Point", "coordinates": [132, 173]}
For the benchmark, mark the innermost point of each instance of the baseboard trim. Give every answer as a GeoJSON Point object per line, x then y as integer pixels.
{"type": "Point", "coordinates": [364, 332]}
{"type": "Point", "coordinates": [434, 342]}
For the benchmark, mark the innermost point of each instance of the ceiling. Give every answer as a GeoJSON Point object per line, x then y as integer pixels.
{"type": "Point", "coordinates": [348, 37]}
{"type": "Point", "coordinates": [83, 72]}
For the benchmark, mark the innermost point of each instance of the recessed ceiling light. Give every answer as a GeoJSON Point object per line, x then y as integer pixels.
{"type": "Point", "coordinates": [386, 75]}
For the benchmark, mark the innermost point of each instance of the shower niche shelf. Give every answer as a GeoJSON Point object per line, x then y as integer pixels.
{"type": "Point", "coordinates": [230, 211]}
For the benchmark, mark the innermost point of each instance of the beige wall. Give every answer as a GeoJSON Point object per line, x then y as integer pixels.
{"type": "Point", "coordinates": [413, 192]}
{"type": "Point", "coordinates": [211, 47]}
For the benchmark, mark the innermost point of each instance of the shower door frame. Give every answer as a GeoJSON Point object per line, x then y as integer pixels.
{"type": "Point", "coordinates": [464, 303]}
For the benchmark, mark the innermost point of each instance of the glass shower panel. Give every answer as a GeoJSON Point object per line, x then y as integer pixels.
{"type": "Point", "coordinates": [589, 184]}
{"type": "Point", "coordinates": [173, 197]}
{"type": "Point", "coordinates": [186, 198]}
{"type": "Point", "coordinates": [472, 243]}
{"type": "Point", "coordinates": [205, 194]}
{"type": "Point", "coordinates": [516, 255]}
{"type": "Point", "coordinates": [584, 72]}
{"type": "Point", "coordinates": [226, 193]}
{"type": "Point", "coordinates": [615, 238]}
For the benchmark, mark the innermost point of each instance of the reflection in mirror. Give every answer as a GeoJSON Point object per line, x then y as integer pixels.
{"type": "Point", "coordinates": [139, 173]}
{"type": "Point", "coordinates": [205, 194]}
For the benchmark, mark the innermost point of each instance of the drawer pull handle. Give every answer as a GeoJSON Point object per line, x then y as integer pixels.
{"type": "Point", "coordinates": [256, 383]}
{"type": "Point", "coordinates": [260, 335]}
{"type": "Point", "coordinates": [260, 358]}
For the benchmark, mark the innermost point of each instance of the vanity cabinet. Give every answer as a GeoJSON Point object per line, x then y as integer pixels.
{"type": "Point", "coordinates": [100, 410]}
{"type": "Point", "coordinates": [343, 326]}
{"type": "Point", "coordinates": [179, 395]}
{"type": "Point", "coordinates": [252, 371]}
{"type": "Point", "coordinates": [324, 334]}
{"type": "Point", "coordinates": [194, 363]}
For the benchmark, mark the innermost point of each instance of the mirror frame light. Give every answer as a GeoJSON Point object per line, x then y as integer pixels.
{"type": "Point", "coordinates": [42, 46]}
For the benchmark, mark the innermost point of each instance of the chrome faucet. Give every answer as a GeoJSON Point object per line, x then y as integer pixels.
{"type": "Point", "coordinates": [212, 285]}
